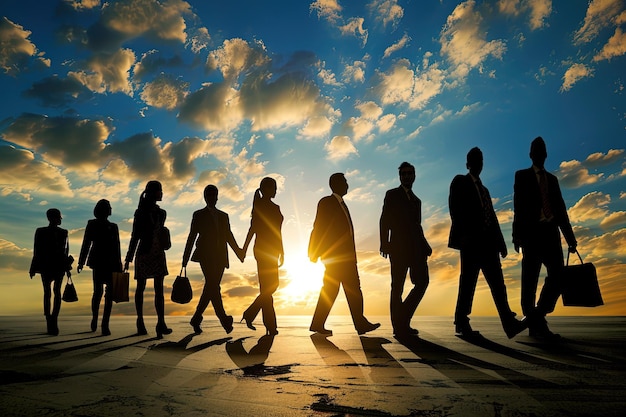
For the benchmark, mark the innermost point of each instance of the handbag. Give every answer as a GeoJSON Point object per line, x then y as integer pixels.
{"type": "Point", "coordinates": [580, 285]}
{"type": "Point", "coordinates": [181, 289]}
{"type": "Point", "coordinates": [165, 239]}
{"type": "Point", "coordinates": [69, 293]}
{"type": "Point", "coordinates": [119, 286]}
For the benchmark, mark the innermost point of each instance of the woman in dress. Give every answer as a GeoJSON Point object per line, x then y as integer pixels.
{"type": "Point", "coordinates": [150, 241]}
{"type": "Point", "coordinates": [51, 259]}
{"type": "Point", "coordinates": [101, 250]}
{"type": "Point", "coordinates": [266, 224]}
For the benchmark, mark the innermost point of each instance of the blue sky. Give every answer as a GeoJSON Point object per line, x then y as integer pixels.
{"type": "Point", "coordinates": [100, 98]}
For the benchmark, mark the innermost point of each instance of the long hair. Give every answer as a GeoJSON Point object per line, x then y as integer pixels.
{"type": "Point", "coordinates": [265, 186]}
{"type": "Point", "coordinates": [149, 195]}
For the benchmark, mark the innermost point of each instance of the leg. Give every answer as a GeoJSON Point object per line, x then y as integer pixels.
{"type": "Point", "coordinates": [328, 294]}
{"type": "Point", "coordinates": [419, 279]}
{"type": "Point", "coordinates": [95, 299]}
{"type": "Point", "coordinates": [552, 258]}
{"type": "Point", "coordinates": [268, 284]}
{"type": "Point", "coordinates": [467, 286]}
{"type": "Point", "coordinates": [159, 306]}
{"type": "Point", "coordinates": [106, 314]}
{"type": "Point", "coordinates": [352, 287]}
{"type": "Point", "coordinates": [398, 276]}
{"type": "Point", "coordinates": [47, 295]}
{"type": "Point", "coordinates": [141, 286]}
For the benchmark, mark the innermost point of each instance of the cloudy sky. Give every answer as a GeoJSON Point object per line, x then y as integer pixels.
{"type": "Point", "coordinates": [101, 97]}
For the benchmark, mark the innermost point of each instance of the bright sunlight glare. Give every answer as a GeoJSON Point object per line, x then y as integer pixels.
{"type": "Point", "coordinates": [303, 277]}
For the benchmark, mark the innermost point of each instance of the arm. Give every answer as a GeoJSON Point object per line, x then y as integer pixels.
{"type": "Point", "coordinates": [85, 247]}
{"type": "Point", "coordinates": [191, 239]}
{"type": "Point", "coordinates": [564, 223]}
{"type": "Point", "coordinates": [385, 227]}
{"type": "Point", "coordinates": [134, 241]}
{"type": "Point", "coordinates": [232, 242]}
{"type": "Point", "coordinates": [66, 251]}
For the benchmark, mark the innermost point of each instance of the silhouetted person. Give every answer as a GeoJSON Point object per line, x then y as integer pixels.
{"type": "Point", "coordinates": [332, 240]}
{"type": "Point", "coordinates": [101, 251]}
{"type": "Point", "coordinates": [539, 213]}
{"type": "Point", "coordinates": [476, 233]}
{"type": "Point", "coordinates": [211, 228]}
{"type": "Point", "coordinates": [51, 259]}
{"type": "Point", "coordinates": [402, 239]}
{"type": "Point", "coordinates": [269, 253]}
{"type": "Point", "coordinates": [150, 254]}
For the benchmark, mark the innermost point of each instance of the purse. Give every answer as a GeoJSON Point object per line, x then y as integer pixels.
{"type": "Point", "coordinates": [69, 293]}
{"type": "Point", "coordinates": [181, 289]}
{"type": "Point", "coordinates": [165, 239]}
{"type": "Point", "coordinates": [579, 286]}
{"type": "Point", "coordinates": [119, 286]}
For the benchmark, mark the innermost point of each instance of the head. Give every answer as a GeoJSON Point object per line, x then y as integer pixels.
{"type": "Point", "coordinates": [102, 210]}
{"type": "Point", "coordinates": [538, 152]}
{"type": "Point", "coordinates": [338, 184]}
{"type": "Point", "coordinates": [210, 195]}
{"type": "Point", "coordinates": [406, 172]}
{"type": "Point", "coordinates": [152, 193]}
{"type": "Point", "coordinates": [54, 216]}
{"type": "Point", "coordinates": [475, 161]}
{"type": "Point", "coordinates": [268, 187]}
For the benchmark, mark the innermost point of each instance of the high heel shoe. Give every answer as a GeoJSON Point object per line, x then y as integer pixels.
{"type": "Point", "coordinates": [271, 332]}
{"type": "Point", "coordinates": [248, 322]}
{"type": "Point", "coordinates": [162, 329]}
{"type": "Point", "coordinates": [141, 328]}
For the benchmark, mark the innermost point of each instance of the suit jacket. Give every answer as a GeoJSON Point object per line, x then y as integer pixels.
{"type": "Point", "coordinates": [146, 223]}
{"type": "Point", "coordinates": [332, 237]}
{"type": "Point", "coordinates": [527, 203]}
{"type": "Point", "coordinates": [213, 234]}
{"type": "Point", "coordinates": [101, 246]}
{"type": "Point", "coordinates": [469, 228]}
{"type": "Point", "coordinates": [401, 233]}
{"type": "Point", "coordinates": [51, 251]}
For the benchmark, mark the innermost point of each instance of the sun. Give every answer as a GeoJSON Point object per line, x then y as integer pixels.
{"type": "Point", "coordinates": [303, 277]}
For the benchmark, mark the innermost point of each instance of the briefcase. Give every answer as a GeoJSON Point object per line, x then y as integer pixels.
{"type": "Point", "coordinates": [119, 286]}
{"type": "Point", "coordinates": [580, 285]}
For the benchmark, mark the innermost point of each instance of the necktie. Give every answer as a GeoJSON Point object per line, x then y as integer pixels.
{"type": "Point", "coordinates": [545, 200]}
{"type": "Point", "coordinates": [486, 203]}
{"type": "Point", "coordinates": [345, 207]}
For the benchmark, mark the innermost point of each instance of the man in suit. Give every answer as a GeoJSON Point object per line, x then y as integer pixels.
{"type": "Point", "coordinates": [539, 214]}
{"type": "Point", "coordinates": [211, 227]}
{"type": "Point", "coordinates": [403, 240]}
{"type": "Point", "coordinates": [476, 233]}
{"type": "Point", "coordinates": [332, 240]}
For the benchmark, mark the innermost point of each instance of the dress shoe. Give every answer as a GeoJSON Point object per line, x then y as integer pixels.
{"type": "Point", "coordinates": [405, 331]}
{"type": "Point", "coordinates": [162, 329]}
{"type": "Point", "coordinates": [196, 327]}
{"type": "Point", "coordinates": [227, 324]}
{"type": "Point", "coordinates": [466, 330]}
{"type": "Point", "coordinates": [141, 328]}
{"type": "Point", "coordinates": [271, 332]}
{"type": "Point", "coordinates": [321, 330]}
{"type": "Point", "coordinates": [248, 322]}
{"type": "Point", "coordinates": [514, 327]}
{"type": "Point", "coordinates": [367, 328]}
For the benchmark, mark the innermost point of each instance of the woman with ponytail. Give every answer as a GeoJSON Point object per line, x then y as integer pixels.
{"type": "Point", "coordinates": [266, 224]}
{"type": "Point", "coordinates": [148, 243]}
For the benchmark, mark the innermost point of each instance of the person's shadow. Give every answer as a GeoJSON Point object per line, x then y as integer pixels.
{"type": "Point", "coordinates": [252, 362]}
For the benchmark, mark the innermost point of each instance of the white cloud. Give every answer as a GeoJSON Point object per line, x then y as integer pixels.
{"type": "Point", "coordinates": [614, 219]}
{"type": "Point", "coordinates": [164, 92]}
{"type": "Point", "coordinates": [600, 159]}
{"type": "Point", "coordinates": [575, 73]}
{"type": "Point", "coordinates": [340, 147]}
{"type": "Point", "coordinates": [236, 56]}
{"type": "Point", "coordinates": [539, 10]}
{"type": "Point", "coordinates": [327, 9]}
{"type": "Point", "coordinates": [355, 28]}
{"type": "Point", "coordinates": [354, 72]}
{"type": "Point", "coordinates": [107, 72]}
{"type": "Point", "coordinates": [16, 48]}
{"type": "Point", "coordinates": [591, 206]}
{"type": "Point", "coordinates": [386, 12]}
{"type": "Point", "coordinates": [397, 46]}
{"type": "Point", "coordinates": [600, 14]}
{"type": "Point", "coordinates": [573, 174]}
{"type": "Point", "coordinates": [463, 40]}
{"type": "Point", "coordinates": [616, 46]}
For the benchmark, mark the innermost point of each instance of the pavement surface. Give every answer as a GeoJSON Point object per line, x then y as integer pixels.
{"type": "Point", "coordinates": [296, 373]}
